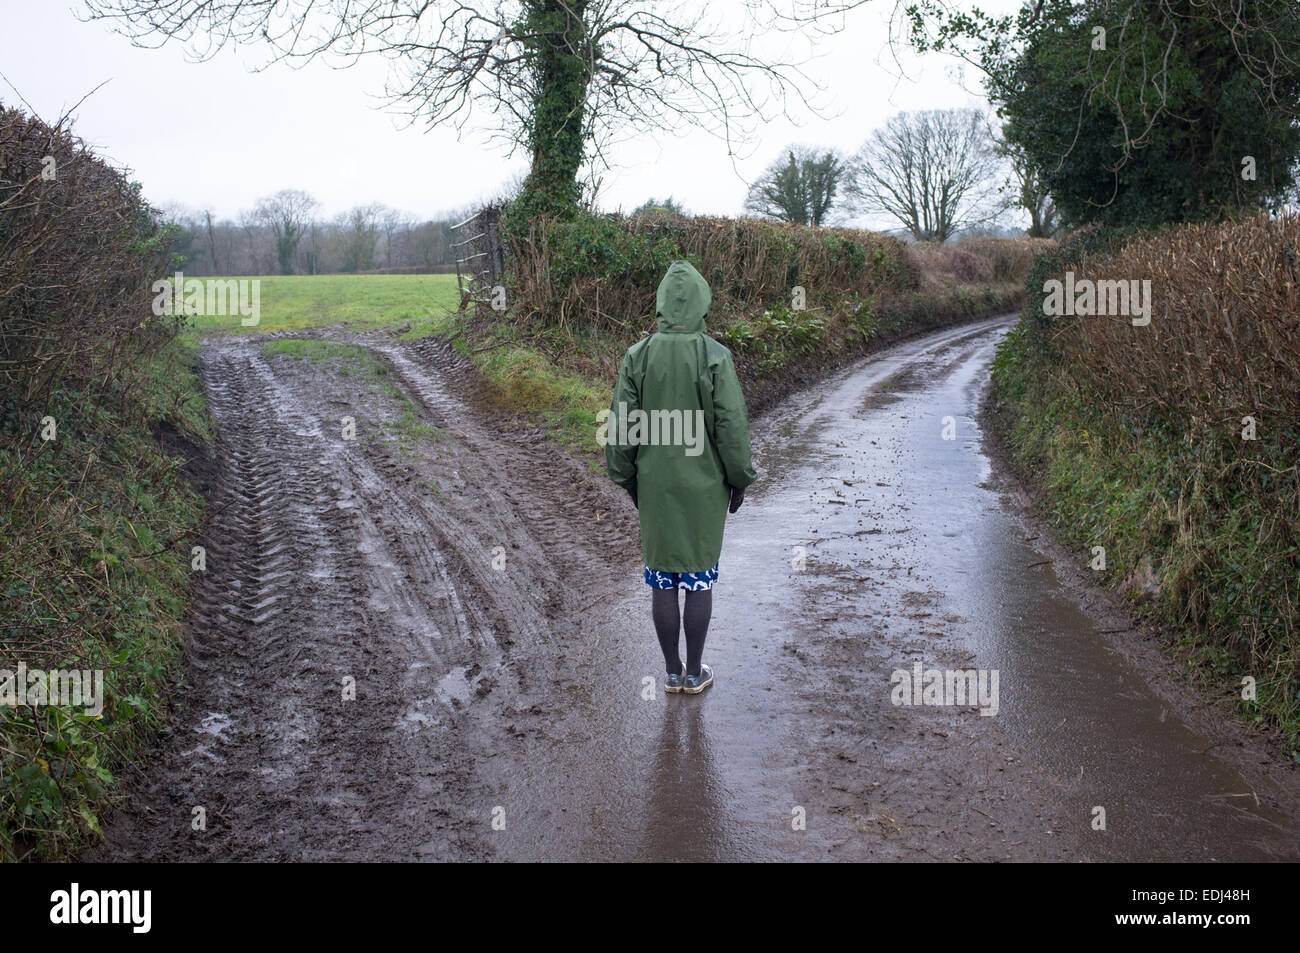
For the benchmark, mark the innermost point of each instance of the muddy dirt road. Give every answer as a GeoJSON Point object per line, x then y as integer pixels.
{"type": "Point", "coordinates": [483, 595]}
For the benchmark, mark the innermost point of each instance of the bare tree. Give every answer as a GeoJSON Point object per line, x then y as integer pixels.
{"type": "Point", "coordinates": [557, 74]}
{"type": "Point", "coordinates": [211, 235]}
{"type": "Point", "coordinates": [799, 188]}
{"type": "Point", "coordinates": [287, 214]}
{"type": "Point", "coordinates": [312, 253]}
{"type": "Point", "coordinates": [430, 244]}
{"type": "Point", "coordinates": [391, 221]}
{"type": "Point", "coordinates": [258, 246]}
{"type": "Point", "coordinates": [359, 235]}
{"type": "Point", "coordinates": [935, 171]}
{"type": "Point", "coordinates": [1029, 191]}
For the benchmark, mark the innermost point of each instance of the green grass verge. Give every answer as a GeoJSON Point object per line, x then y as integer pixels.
{"type": "Point", "coordinates": [526, 379]}
{"type": "Point", "coordinates": [318, 352]}
{"type": "Point", "coordinates": [96, 570]}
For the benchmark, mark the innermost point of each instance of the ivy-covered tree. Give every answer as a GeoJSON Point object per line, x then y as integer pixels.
{"type": "Point", "coordinates": [558, 75]}
{"type": "Point", "coordinates": [801, 187]}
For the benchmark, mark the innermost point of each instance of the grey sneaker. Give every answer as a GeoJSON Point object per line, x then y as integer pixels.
{"type": "Point", "coordinates": [673, 683]}
{"type": "Point", "coordinates": [694, 684]}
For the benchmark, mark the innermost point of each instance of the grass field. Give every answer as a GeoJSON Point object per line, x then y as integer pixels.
{"type": "Point", "coordinates": [295, 302]}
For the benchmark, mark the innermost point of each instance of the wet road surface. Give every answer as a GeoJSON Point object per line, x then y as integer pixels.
{"type": "Point", "coordinates": [488, 600]}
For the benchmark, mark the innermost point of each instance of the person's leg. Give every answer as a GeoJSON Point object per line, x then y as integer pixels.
{"type": "Point", "coordinates": [695, 618]}
{"type": "Point", "coordinates": [666, 613]}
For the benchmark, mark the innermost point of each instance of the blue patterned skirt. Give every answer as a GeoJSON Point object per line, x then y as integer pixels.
{"type": "Point", "coordinates": [694, 581]}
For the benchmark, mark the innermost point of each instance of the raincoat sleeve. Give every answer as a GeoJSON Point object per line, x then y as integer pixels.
{"type": "Point", "coordinates": [731, 424]}
{"type": "Point", "coordinates": [620, 458]}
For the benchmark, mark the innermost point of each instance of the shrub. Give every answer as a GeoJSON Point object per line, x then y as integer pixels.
{"type": "Point", "coordinates": [1137, 432]}
{"type": "Point", "coordinates": [602, 271]}
{"type": "Point", "coordinates": [89, 581]}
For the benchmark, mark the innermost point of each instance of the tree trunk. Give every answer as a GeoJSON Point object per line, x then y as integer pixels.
{"type": "Point", "coordinates": [558, 40]}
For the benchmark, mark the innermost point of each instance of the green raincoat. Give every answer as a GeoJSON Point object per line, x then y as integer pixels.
{"type": "Point", "coordinates": [678, 431]}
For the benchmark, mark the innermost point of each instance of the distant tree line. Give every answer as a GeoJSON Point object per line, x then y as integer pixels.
{"type": "Point", "coordinates": [284, 234]}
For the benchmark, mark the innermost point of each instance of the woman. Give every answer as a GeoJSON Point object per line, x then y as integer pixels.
{"type": "Point", "coordinates": [677, 439]}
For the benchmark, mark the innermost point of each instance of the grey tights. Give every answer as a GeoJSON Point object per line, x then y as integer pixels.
{"type": "Point", "coordinates": [669, 620]}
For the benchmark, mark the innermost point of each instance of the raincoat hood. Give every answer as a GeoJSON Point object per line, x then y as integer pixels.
{"type": "Point", "coordinates": [684, 299]}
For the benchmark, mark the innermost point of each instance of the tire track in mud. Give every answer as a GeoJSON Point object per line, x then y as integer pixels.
{"type": "Point", "coordinates": [330, 558]}
{"type": "Point", "coordinates": [552, 493]}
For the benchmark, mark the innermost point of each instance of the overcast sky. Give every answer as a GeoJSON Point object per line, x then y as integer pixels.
{"type": "Point", "coordinates": [218, 134]}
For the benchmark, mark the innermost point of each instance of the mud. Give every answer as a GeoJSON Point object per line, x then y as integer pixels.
{"type": "Point", "coordinates": [484, 593]}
